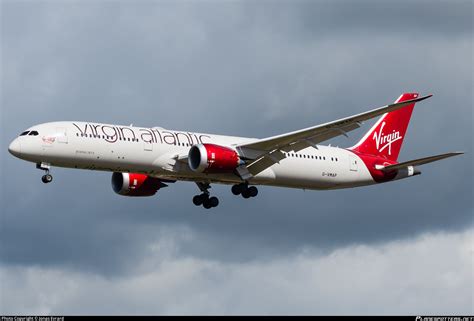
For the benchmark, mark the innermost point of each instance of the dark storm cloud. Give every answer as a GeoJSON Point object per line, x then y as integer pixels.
{"type": "Point", "coordinates": [407, 19]}
{"type": "Point", "coordinates": [238, 69]}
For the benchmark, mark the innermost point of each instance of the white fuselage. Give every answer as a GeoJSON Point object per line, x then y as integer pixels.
{"type": "Point", "coordinates": [157, 152]}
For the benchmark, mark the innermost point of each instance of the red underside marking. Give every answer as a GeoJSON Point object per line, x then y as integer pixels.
{"type": "Point", "coordinates": [371, 161]}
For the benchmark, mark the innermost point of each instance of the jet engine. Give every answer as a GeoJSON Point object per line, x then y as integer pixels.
{"type": "Point", "coordinates": [212, 158]}
{"type": "Point", "coordinates": [133, 184]}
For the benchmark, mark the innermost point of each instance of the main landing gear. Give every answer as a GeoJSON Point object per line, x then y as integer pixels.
{"type": "Point", "coordinates": [204, 198]}
{"type": "Point", "coordinates": [208, 201]}
{"type": "Point", "coordinates": [47, 178]}
{"type": "Point", "coordinates": [245, 190]}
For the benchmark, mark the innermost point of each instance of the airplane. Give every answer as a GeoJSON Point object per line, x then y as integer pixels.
{"type": "Point", "coordinates": [144, 160]}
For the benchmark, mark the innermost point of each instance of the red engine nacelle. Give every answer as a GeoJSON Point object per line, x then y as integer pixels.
{"type": "Point", "coordinates": [132, 184]}
{"type": "Point", "coordinates": [212, 158]}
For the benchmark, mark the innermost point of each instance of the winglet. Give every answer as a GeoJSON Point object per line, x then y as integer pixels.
{"type": "Point", "coordinates": [424, 97]}
{"type": "Point", "coordinates": [409, 101]}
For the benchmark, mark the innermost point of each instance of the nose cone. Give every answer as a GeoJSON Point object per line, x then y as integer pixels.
{"type": "Point", "coordinates": [15, 148]}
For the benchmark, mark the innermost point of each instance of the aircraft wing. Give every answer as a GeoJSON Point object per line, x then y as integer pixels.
{"type": "Point", "coordinates": [419, 161]}
{"type": "Point", "coordinates": [265, 152]}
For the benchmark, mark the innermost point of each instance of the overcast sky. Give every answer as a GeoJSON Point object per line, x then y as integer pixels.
{"type": "Point", "coordinates": [252, 69]}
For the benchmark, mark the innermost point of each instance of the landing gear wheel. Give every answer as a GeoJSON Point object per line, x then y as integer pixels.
{"type": "Point", "coordinates": [207, 203]}
{"type": "Point", "coordinates": [198, 200]}
{"type": "Point", "coordinates": [245, 190]}
{"type": "Point", "coordinates": [253, 191]}
{"type": "Point", "coordinates": [246, 193]}
{"type": "Point", "coordinates": [214, 201]}
{"type": "Point", "coordinates": [236, 189]}
{"type": "Point", "coordinates": [48, 178]}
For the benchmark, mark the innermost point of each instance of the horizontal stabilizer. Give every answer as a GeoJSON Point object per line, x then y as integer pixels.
{"type": "Point", "coordinates": [419, 161]}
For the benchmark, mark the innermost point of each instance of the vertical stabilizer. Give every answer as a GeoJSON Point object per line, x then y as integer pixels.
{"type": "Point", "coordinates": [385, 138]}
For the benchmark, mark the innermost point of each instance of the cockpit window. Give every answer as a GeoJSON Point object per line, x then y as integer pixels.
{"type": "Point", "coordinates": [24, 133]}
{"type": "Point", "coordinates": [33, 133]}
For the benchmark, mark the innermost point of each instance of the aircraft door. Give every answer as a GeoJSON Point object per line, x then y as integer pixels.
{"type": "Point", "coordinates": [148, 146]}
{"type": "Point", "coordinates": [353, 163]}
{"type": "Point", "coordinates": [62, 135]}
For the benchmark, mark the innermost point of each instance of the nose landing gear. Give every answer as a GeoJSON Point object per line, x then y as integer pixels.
{"type": "Point", "coordinates": [47, 178]}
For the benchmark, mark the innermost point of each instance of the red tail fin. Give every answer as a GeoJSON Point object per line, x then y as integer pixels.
{"type": "Point", "coordinates": [385, 138]}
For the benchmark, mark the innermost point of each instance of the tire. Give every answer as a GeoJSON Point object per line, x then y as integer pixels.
{"type": "Point", "coordinates": [246, 193]}
{"type": "Point", "coordinates": [236, 189]}
{"type": "Point", "coordinates": [207, 203]}
{"type": "Point", "coordinates": [47, 178]}
{"type": "Point", "coordinates": [253, 191]}
{"type": "Point", "coordinates": [197, 200]}
{"type": "Point", "coordinates": [214, 201]}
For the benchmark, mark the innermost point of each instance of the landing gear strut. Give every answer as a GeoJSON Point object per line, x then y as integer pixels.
{"type": "Point", "coordinates": [245, 190]}
{"type": "Point", "coordinates": [204, 198]}
{"type": "Point", "coordinates": [47, 178]}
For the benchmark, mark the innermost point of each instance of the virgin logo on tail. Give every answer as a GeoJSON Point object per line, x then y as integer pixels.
{"type": "Point", "coordinates": [382, 141]}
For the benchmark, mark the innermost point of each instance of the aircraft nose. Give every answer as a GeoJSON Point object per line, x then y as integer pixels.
{"type": "Point", "coordinates": [15, 148]}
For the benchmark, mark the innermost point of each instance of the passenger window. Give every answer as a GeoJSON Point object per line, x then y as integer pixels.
{"type": "Point", "coordinates": [24, 133]}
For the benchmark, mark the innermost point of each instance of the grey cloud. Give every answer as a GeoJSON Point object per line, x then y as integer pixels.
{"type": "Point", "coordinates": [240, 69]}
{"type": "Point", "coordinates": [393, 278]}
